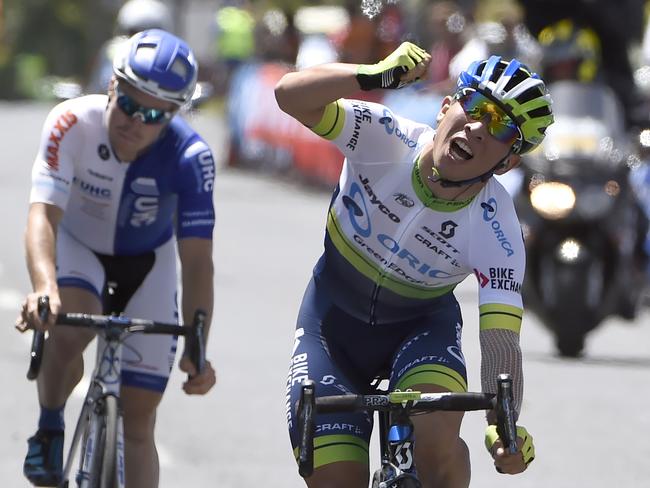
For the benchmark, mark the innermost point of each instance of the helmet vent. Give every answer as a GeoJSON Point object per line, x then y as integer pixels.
{"type": "Point", "coordinates": [179, 68]}
{"type": "Point", "coordinates": [146, 54]}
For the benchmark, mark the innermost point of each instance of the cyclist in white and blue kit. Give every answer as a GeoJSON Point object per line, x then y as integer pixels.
{"type": "Point", "coordinates": [120, 185]}
{"type": "Point", "coordinates": [415, 212]}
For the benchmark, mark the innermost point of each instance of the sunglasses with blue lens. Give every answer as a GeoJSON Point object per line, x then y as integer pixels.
{"type": "Point", "coordinates": [479, 107]}
{"type": "Point", "coordinates": [133, 109]}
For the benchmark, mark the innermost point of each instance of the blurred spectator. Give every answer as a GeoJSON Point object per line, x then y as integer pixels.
{"type": "Point", "coordinates": [459, 39]}
{"type": "Point", "coordinates": [277, 37]}
{"type": "Point", "coordinates": [446, 25]}
{"type": "Point", "coordinates": [570, 52]}
{"type": "Point", "coordinates": [618, 24]}
{"type": "Point", "coordinates": [390, 30]}
{"type": "Point", "coordinates": [234, 41]}
{"type": "Point", "coordinates": [134, 16]}
{"type": "Point", "coordinates": [139, 15]}
{"type": "Point", "coordinates": [356, 42]}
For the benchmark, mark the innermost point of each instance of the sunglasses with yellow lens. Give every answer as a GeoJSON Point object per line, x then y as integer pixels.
{"type": "Point", "coordinates": [479, 107]}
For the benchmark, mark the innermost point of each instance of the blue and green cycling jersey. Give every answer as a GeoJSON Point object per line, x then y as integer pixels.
{"type": "Point", "coordinates": [391, 246]}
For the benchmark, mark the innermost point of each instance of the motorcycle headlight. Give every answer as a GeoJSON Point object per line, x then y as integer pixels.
{"type": "Point", "coordinates": [553, 200]}
{"type": "Point", "coordinates": [570, 251]}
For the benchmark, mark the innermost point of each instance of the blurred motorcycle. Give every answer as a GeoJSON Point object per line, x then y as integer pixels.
{"type": "Point", "coordinates": [583, 227]}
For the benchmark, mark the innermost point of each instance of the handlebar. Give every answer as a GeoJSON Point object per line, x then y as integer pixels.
{"type": "Point", "coordinates": [117, 324]}
{"type": "Point", "coordinates": [408, 401]}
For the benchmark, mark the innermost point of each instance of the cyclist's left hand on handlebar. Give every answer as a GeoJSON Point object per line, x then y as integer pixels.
{"type": "Point", "coordinates": [504, 461]}
{"type": "Point", "coordinates": [197, 384]}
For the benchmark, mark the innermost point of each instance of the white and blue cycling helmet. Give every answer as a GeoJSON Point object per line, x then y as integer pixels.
{"type": "Point", "coordinates": [516, 89]}
{"type": "Point", "coordinates": [158, 63]}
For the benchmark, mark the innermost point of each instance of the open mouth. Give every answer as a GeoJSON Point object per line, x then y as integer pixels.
{"type": "Point", "coordinates": [459, 149]}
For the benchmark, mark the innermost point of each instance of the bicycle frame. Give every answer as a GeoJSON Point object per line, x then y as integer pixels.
{"type": "Point", "coordinates": [104, 389]}
{"type": "Point", "coordinates": [396, 434]}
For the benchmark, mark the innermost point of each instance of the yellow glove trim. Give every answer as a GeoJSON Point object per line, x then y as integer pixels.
{"type": "Point", "coordinates": [389, 72]}
{"type": "Point", "coordinates": [527, 448]}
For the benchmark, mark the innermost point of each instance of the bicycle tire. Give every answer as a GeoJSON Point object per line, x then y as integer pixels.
{"type": "Point", "coordinates": [100, 466]}
{"type": "Point", "coordinates": [108, 476]}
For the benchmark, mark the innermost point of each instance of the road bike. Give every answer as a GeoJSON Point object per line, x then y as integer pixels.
{"type": "Point", "coordinates": [99, 428]}
{"type": "Point", "coordinates": [396, 432]}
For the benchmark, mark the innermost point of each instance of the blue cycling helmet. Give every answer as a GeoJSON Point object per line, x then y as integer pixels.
{"type": "Point", "coordinates": [158, 63]}
{"type": "Point", "coordinates": [521, 93]}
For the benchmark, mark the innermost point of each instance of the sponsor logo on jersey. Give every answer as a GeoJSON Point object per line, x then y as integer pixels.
{"type": "Point", "coordinates": [441, 246]}
{"type": "Point", "coordinates": [103, 152]}
{"type": "Point", "coordinates": [482, 279]}
{"type": "Point", "coordinates": [504, 279]}
{"type": "Point", "coordinates": [92, 190]}
{"type": "Point", "coordinates": [357, 210]}
{"type": "Point", "coordinates": [357, 207]}
{"type": "Point", "coordinates": [62, 125]}
{"type": "Point", "coordinates": [388, 121]}
{"type": "Point", "coordinates": [489, 215]}
{"type": "Point", "coordinates": [362, 115]}
{"type": "Point", "coordinates": [145, 206]}
{"type": "Point", "coordinates": [448, 229]}
{"type": "Point", "coordinates": [403, 200]}
{"type": "Point", "coordinates": [99, 175]}
{"type": "Point", "coordinates": [207, 170]}
{"type": "Point", "coordinates": [376, 201]}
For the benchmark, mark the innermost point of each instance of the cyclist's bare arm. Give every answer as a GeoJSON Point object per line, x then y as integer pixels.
{"type": "Point", "coordinates": [304, 94]}
{"type": "Point", "coordinates": [40, 245]}
{"type": "Point", "coordinates": [197, 271]}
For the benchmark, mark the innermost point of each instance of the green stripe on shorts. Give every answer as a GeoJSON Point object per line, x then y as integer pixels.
{"type": "Point", "coordinates": [330, 449]}
{"type": "Point", "coordinates": [433, 374]}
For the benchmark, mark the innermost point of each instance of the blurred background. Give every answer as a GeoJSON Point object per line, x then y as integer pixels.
{"type": "Point", "coordinates": [583, 199]}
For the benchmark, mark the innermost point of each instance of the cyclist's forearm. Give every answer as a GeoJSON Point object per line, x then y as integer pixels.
{"type": "Point", "coordinates": [304, 94]}
{"type": "Point", "coordinates": [198, 294]}
{"type": "Point", "coordinates": [40, 245]}
{"type": "Point", "coordinates": [501, 353]}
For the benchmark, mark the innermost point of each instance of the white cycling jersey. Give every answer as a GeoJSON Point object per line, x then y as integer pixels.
{"type": "Point", "coordinates": [127, 210]}
{"type": "Point", "coordinates": [391, 246]}
{"type": "Point", "coordinates": [120, 208]}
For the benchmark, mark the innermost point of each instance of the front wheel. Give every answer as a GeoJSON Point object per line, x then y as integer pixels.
{"type": "Point", "coordinates": [108, 477]}
{"type": "Point", "coordinates": [391, 477]}
{"type": "Point", "coordinates": [570, 342]}
{"type": "Point", "coordinates": [99, 454]}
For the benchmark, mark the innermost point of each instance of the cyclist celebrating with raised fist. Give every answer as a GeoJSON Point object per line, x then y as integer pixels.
{"type": "Point", "coordinates": [115, 178]}
{"type": "Point", "coordinates": [415, 212]}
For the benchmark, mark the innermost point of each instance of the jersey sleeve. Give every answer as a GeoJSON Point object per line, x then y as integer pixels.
{"type": "Point", "coordinates": [368, 132]}
{"type": "Point", "coordinates": [195, 212]}
{"type": "Point", "coordinates": [497, 256]}
{"type": "Point", "coordinates": [53, 168]}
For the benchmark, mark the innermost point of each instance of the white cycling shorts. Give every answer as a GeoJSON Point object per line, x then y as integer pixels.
{"type": "Point", "coordinates": [147, 360]}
